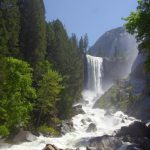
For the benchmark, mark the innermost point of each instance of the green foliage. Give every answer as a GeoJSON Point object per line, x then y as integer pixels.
{"type": "Point", "coordinates": [48, 94]}
{"type": "Point", "coordinates": [4, 131]}
{"type": "Point", "coordinates": [138, 23]}
{"type": "Point", "coordinates": [44, 129]}
{"type": "Point", "coordinates": [9, 28]}
{"type": "Point", "coordinates": [83, 43]}
{"type": "Point", "coordinates": [46, 97]}
{"type": "Point", "coordinates": [15, 90]}
{"type": "Point", "coordinates": [67, 57]}
{"type": "Point", "coordinates": [49, 89]}
{"type": "Point", "coordinates": [33, 30]}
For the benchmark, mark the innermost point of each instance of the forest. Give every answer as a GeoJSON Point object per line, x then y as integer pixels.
{"type": "Point", "coordinates": [41, 68]}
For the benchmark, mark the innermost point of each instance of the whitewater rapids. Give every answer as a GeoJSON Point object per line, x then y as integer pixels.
{"type": "Point", "coordinates": [105, 124]}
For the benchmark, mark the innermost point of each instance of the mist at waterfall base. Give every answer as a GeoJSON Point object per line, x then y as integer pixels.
{"type": "Point", "coordinates": [105, 124]}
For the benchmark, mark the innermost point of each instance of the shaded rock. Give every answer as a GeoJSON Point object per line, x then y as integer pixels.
{"type": "Point", "coordinates": [90, 148]}
{"type": "Point", "coordinates": [78, 110]}
{"type": "Point", "coordinates": [23, 136]}
{"type": "Point", "coordinates": [139, 143]}
{"type": "Point", "coordinates": [108, 113]}
{"type": "Point", "coordinates": [71, 149]}
{"type": "Point", "coordinates": [138, 134]}
{"type": "Point", "coordinates": [66, 126]}
{"type": "Point", "coordinates": [122, 121]}
{"type": "Point", "coordinates": [104, 143]}
{"type": "Point", "coordinates": [133, 147]}
{"type": "Point", "coordinates": [83, 121]}
{"type": "Point", "coordinates": [118, 97]}
{"type": "Point", "coordinates": [88, 120]}
{"type": "Point", "coordinates": [50, 147]}
{"type": "Point", "coordinates": [91, 127]}
{"type": "Point", "coordinates": [136, 129]}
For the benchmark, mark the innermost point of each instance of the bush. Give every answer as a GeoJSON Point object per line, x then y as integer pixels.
{"type": "Point", "coordinates": [48, 131]}
{"type": "Point", "coordinates": [4, 131]}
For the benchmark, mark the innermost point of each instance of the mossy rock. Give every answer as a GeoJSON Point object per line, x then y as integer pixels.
{"type": "Point", "coordinates": [48, 131]}
{"type": "Point", "coordinates": [118, 97]}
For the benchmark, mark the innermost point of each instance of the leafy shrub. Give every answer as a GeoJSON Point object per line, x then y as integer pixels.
{"type": "Point", "coordinates": [4, 131]}
{"type": "Point", "coordinates": [48, 131]}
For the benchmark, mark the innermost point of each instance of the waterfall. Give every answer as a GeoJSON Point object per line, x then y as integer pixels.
{"type": "Point", "coordinates": [94, 73]}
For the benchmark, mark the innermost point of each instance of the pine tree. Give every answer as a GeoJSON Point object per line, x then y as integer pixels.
{"type": "Point", "coordinates": [9, 28]}
{"type": "Point", "coordinates": [33, 30]}
{"type": "Point", "coordinates": [66, 56]}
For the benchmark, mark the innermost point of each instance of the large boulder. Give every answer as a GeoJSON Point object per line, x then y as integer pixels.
{"type": "Point", "coordinates": [53, 147]}
{"type": "Point", "coordinates": [138, 134]}
{"type": "Point", "coordinates": [66, 126]}
{"type": "Point", "coordinates": [136, 129]}
{"type": "Point", "coordinates": [104, 143]}
{"type": "Point", "coordinates": [50, 147]}
{"type": "Point", "coordinates": [77, 109]}
{"type": "Point", "coordinates": [23, 136]}
{"type": "Point", "coordinates": [91, 127]}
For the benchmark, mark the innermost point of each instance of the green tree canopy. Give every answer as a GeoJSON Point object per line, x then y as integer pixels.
{"type": "Point", "coordinates": [15, 92]}
{"type": "Point", "coordinates": [33, 30]}
{"type": "Point", "coordinates": [48, 94]}
{"type": "Point", "coordinates": [9, 28]}
{"type": "Point", "coordinates": [138, 23]}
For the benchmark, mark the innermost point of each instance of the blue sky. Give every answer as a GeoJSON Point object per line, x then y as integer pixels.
{"type": "Point", "coordinates": [93, 17]}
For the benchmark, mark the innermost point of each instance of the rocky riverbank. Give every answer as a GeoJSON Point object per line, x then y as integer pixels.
{"type": "Point", "coordinates": [136, 136]}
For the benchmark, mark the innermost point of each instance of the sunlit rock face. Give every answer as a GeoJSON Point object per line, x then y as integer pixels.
{"type": "Point", "coordinates": [118, 49]}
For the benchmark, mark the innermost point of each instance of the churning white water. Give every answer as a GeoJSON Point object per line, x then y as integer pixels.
{"type": "Point", "coordinates": [105, 124]}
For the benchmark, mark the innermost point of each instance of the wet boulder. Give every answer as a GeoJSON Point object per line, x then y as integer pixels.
{"type": "Point", "coordinates": [108, 113]}
{"type": "Point", "coordinates": [66, 126]}
{"type": "Point", "coordinates": [78, 110]}
{"type": "Point", "coordinates": [91, 127]}
{"type": "Point", "coordinates": [136, 129]}
{"type": "Point", "coordinates": [137, 143]}
{"type": "Point", "coordinates": [104, 143]}
{"type": "Point", "coordinates": [50, 147]}
{"type": "Point", "coordinates": [23, 136]}
{"type": "Point", "coordinates": [83, 121]}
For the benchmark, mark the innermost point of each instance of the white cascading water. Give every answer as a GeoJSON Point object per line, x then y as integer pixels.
{"type": "Point", "coordinates": [94, 66]}
{"type": "Point", "coordinates": [105, 124]}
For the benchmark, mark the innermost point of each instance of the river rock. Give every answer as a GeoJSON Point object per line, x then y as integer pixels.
{"type": "Point", "coordinates": [136, 129]}
{"type": "Point", "coordinates": [78, 110]}
{"type": "Point", "coordinates": [23, 136]}
{"type": "Point", "coordinates": [138, 134]}
{"type": "Point", "coordinates": [108, 113]}
{"type": "Point", "coordinates": [83, 121]}
{"type": "Point", "coordinates": [66, 126]}
{"type": "Point", "coordinates": [50, 147]}
{"type": "Point", "coordinates": [90, 148]}
{"type": "Point", "coordinates": [91, 127]}
{"type": "Point", "coordinates": [104, 143]}
{"type": "Point", "coordinates": [88, 120]}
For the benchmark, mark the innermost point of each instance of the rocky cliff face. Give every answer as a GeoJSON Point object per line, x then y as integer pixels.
{"type": "Point", "coordinates": [119, 49]}
{"type": "Point", "coordinates": [130, 95]}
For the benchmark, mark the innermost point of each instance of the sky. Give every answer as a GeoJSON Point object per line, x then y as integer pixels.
{"type": "Point", "coordinates": [93, 17]}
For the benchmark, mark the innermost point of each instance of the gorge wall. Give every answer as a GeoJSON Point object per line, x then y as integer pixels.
{"type": "Point", "coordinates": [118, 50]}
{"type": "Point", "coordinates": [130, 95]}
{"type": "Point", "coordinates": [124, 77]}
